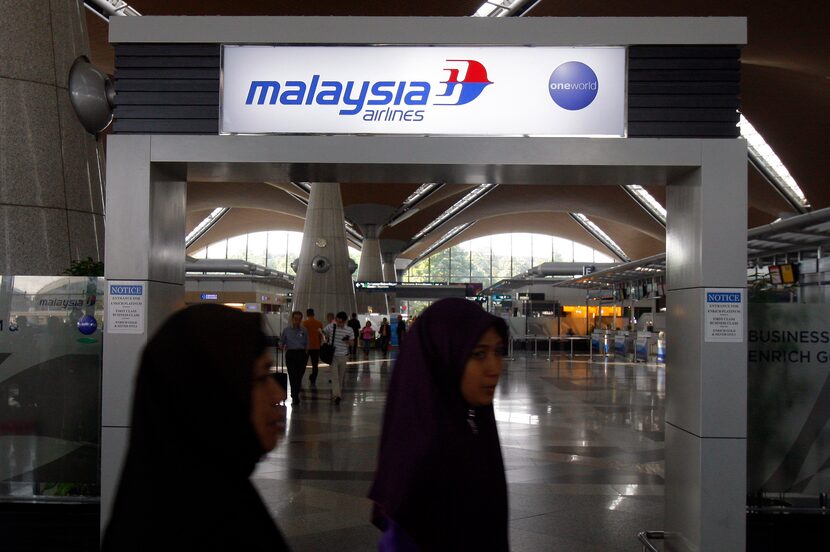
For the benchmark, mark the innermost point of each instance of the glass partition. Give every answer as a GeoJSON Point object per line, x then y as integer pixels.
{"type": "Point", "coordinates": [51, 330]}
{"type": "Point", "coordinates": [788, 377]}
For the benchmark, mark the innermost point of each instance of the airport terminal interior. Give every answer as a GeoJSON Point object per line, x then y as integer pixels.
{"type": "Point", "coordinates": [649, 223]}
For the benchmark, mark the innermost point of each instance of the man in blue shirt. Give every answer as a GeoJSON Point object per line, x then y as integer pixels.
{"type": "Point", "coordinates": [294, 342]}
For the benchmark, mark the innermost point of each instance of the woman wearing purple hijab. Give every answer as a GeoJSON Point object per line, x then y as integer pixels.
{"type": "Point", "coordinates": [440, 482]}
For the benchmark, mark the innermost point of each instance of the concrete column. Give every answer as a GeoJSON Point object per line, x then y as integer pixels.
{"type": "Point", "coordinates": [370, 269]}
{"type": "Point", "coordinates": [323, 279]}
{"type": "Point", "coordinates": [370, 217]}
{"type": "Point", "coordinates": [706, 381]}
{"type": "Point", "coordinates": [51, 182]}
{"type": "Point", "coordinates": [145, 246]}
{"type": "Point", "coordinates": [389, 250]}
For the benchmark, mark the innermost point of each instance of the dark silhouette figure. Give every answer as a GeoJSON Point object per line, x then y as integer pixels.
{"type": "Point", "coordinates": [204, 412]}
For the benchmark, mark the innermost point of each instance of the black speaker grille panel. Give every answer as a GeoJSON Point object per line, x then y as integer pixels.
{"type": "Point", "coordinates": [683, 91]}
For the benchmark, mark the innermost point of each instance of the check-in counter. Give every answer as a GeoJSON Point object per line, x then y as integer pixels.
{"type": "Point", "coordinates": [661, 347]}
{"type": "Point", "coordinates": [624, 344]}
{"type": "Point", "coordinates": [601, 342]}
{"type": "Point", "coordinates": [642, 346]}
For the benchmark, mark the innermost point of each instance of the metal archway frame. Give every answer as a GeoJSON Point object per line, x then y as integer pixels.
{"type": "Point", "coordinates": [706, 232]}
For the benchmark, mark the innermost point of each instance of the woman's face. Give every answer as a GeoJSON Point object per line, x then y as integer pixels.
{"type": "Point", "coordinates": [483, 369]}
{"type": "Point", "coordinates": [267, 417]}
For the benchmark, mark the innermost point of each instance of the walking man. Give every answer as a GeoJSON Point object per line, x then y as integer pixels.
{"type": "Point", "coordinates": [354, 324]}
{"type": "Point", "coordinates": [314, 329]}
{"type": "Point", "coordinates": [400, 329]}
{"type": "Point", "coordinates": [294, 340]}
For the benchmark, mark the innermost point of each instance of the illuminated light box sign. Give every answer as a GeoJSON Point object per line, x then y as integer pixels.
{"type": "Point", "coordinates": [483, 91]}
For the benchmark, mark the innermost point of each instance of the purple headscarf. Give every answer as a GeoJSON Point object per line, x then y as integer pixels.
{"type": "Point", "coordinates": [440, 474]}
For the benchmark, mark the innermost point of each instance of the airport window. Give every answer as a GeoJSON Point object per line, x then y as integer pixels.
{"type": "Point", "coordinates": [489, 259]}
{"type": "Point", "coordinates": [276, 249]}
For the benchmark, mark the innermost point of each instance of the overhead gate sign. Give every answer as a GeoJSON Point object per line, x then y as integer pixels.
{"type": "Point", "coordinates": [481, 91]}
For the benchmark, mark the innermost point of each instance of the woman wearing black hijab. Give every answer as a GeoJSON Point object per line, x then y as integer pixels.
{"type": "Point", "coordinates": [204, 412]}
{"type": "Point", "coordinates": [440, 481]}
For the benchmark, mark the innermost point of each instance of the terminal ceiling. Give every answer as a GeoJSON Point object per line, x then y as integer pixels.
{"type": "Point", "coordinates": [785, 93]}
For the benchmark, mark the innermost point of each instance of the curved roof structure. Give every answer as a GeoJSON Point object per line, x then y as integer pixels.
{"type": "Point", "coordinates": [785, 93]}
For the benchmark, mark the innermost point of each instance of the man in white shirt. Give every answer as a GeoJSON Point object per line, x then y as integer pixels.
{"type": "Point", "coordinates": [342, 338]}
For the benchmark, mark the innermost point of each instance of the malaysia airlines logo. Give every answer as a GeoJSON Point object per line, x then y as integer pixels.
{"type": "Point", "coordinates": [375, 100]}
{"type": "Point", "coordinates": [472, 85]}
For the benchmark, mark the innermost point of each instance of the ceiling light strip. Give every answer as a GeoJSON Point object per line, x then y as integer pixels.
{"type": "Point", "coordinates": [441, 241]}
{"type": "Point", "coordinates": [647, 202]}
{"type": "Point", "coordinates": [206, 224]}
{"type": "Point", "coordinates": [505, 8]}
{"type": "Point", "coordinates": [457, 207]}
{"type": "Point", "coordinates": [772, 168]}
{"type": "Point", "coordinates": [599, 235]}
{"type": "Point", "coordinates": [107, 8]}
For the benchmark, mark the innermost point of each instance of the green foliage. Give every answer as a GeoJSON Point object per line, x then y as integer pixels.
{"type": "Point", "coordinates": [86, 267]}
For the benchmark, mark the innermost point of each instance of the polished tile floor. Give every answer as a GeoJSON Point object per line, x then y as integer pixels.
{"type": "Point", "coordinates": [582, 443]}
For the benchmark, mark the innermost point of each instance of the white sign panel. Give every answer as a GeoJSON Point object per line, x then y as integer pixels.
{"type": "Point", "coordinates": [724, 316]}
{"type": "Point", "coordinates": [126, 307]}
{"type": "Point", "coordinates": [488, 91]}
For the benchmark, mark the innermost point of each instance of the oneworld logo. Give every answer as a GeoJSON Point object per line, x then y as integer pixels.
{"type": "Point", "coordinates": [573, 85]}
{"type": "Point", "coordinates": [375, 100]}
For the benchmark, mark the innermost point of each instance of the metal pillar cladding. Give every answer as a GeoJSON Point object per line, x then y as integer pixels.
{"type": "Point", "coordinates": [706, 374]}
{"type": "Point", "coordinates": [144, 249]}
{"type": "Point", "coordinates": [323, 280]}
{"type": "Point", "coordinates": [706, 179]}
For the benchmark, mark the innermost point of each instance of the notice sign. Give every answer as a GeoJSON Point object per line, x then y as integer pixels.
{"type": "Point", "coordinates": [479, 91]}
{"type": "Point", "coordinates": [126, 307]}
{"type": "Point", "coordinates": [724, 315]}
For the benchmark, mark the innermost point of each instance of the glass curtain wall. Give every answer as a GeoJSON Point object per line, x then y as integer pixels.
{"type": "Point", "coordinates": [276, 249]}
{"type": "Point", "coordinates": [489, 259]}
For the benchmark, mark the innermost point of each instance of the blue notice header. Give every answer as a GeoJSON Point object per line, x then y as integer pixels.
{"type": "Point", "coordinates": [126, 290]}
{"type": "Point", "coordinates": [723, 297]}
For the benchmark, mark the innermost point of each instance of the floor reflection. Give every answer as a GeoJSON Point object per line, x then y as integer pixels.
{"type": "Point", "coordinates": [582, 442]}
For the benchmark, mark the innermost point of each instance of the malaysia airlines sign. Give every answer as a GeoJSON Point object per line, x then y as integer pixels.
{"type": "Point", "coordinates": [484, 91]}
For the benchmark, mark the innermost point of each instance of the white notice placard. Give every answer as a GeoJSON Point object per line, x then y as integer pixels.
{"type": "Point", "coordinates": [724, 315]}
{"type": "Point", "coordinates": [426, 90]}
{"type": "Point", "coordinates": [126, 307]}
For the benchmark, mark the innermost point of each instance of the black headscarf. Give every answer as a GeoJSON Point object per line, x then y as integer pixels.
{"type": "Point", "coordinates": [192, 444]}
{"type": "Point", "coordinates": [439, 476]}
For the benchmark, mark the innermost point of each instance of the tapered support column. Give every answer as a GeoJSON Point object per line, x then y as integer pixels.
{"type": "Point", "coordinates": [706, 382]}
{"type": "Point", "coordinates": [370, 217]}
{"type": "Point", "coordinates": [145, 264]}
{"type": "Point", "coordinates": [323, 280]}
{"type": "Point", "coordinates": [370, 269]}
{"type": "Point", "coordinates": [389, 250]}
